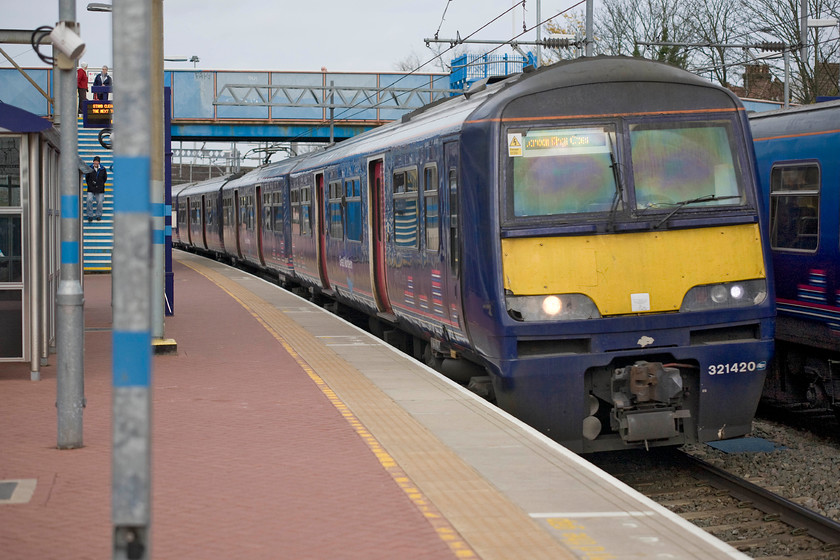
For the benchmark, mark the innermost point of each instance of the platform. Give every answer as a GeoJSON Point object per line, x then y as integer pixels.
{"type": "Point", "coordinates": [282, 431]}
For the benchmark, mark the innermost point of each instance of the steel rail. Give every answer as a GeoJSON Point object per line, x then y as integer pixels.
{"type": "Point", "coordinates": [799, 517]}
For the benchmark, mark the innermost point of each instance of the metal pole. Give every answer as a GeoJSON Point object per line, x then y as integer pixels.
{"type": "Point", "coordinates": [590, 40]}
{"type": "Point", "coordinates": [332, 111]}
{"type": "Point", "coordinates": [35, 282]}
{"type": "Point", "coordinates": [539, 27]}
{"type": "Point", "coordinates": [787, 77]}
{"type": "Point", "coordinates": [803, 33]}
{"type": "Point", "coordinates": [70, 320]}
{"type": "Point", "coordinates": [158, 214]}
{"type": "Point", "coordinates": [132, 364]}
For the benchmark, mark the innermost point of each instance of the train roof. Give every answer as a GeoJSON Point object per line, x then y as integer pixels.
{"type": "Point", "coordinates": [819, 117]}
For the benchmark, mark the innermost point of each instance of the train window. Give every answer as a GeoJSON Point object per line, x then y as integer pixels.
{"type": "Point", "coordinates": [405, 207]}
{"type": "Point", "coordinates": [353, 209]}
{"type": "Point", "coordinates": [431, 211]}
{"type": "Point", "coordinates": [208, 212]}
{"type": "Point", "coordinates": [335, 210]}
{"type": "Point", "coordinates": [294, 202]}
{"type": "Point", "coordinates": [195, 212]}
{"type": "Point", "coordinates": [277, 211]}
{"type": "Point", "coordinates": [678, 162]}
{"type": "Point", "coordinates": [562, 170]}
{"type": "Point", "coordinates": [305, 211]}
{"type": "Point", "coordinates": [267, 222]}
{"type": "Point", "coordinates": [10, 165]}
{"type": "Point", "coordinates": [795, 207]}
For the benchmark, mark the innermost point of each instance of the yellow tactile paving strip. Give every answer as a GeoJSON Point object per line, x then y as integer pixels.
{"type": "Point", "coordinates": [490, 524]}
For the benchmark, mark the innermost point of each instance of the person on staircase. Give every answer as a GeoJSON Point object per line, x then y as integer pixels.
{"type": "Point", "coordinates": [95, 189]}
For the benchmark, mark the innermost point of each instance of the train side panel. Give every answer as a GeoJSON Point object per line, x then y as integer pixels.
{"type": "Point", "coordinates": [799, 170]}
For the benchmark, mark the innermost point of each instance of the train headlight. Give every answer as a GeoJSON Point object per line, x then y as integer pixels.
{"type": "Point", "coordinates": [726, 294]}
{"type": "Point", "coordinates": [565, 307]}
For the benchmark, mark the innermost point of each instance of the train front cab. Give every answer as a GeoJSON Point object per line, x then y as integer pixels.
{"type": "Point", "coordinates": [631, 288]}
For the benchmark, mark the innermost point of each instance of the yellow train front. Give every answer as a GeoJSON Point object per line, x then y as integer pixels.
{"type": "Point", "coordinates": [614, 270]}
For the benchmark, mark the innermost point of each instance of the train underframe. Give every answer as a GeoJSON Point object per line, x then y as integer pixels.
{"type": "Point", "coordinates": [640, 399]}
{"type": "Point", "coordinates": [804, 377]}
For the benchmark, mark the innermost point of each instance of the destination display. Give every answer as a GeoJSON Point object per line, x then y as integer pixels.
{"type": "Point", "coordinates": [98, 114]}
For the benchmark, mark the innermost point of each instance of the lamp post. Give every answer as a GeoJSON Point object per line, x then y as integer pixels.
{"type": "Point", "coordinates": [817, 23]}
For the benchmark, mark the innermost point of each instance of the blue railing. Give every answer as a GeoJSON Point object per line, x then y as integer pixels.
{"type": "Point", "coordinates": [469, 68]}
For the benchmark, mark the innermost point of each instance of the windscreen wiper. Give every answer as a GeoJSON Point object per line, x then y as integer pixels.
{"type": "Point", "coordinates": [618, 197]}
{"type": "Point", "coordinates": [683, 203]}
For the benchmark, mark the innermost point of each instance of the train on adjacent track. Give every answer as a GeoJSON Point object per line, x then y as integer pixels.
{"type": "Point", "coordinates": [799, 170]}
{"type": "Point", "coordinates": [586, 242]}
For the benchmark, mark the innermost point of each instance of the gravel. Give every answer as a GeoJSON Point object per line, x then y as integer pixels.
{"type": "Point", "coordinates": [803, 468]}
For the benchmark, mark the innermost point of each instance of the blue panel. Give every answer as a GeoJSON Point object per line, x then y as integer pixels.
{"type": "Point", "coordinates": [69, 252]}
{"type": "Point", "coordinates": [193, 94]}
{"type": "Point", "coordinates": [354, 97]}
{"type": "Point", "coordinates": [16, 90]}
{"type": "Point", "coordinates": [289, 81]}
{"type": "Point", "coordinates": [134, 191]}
{"type": "Point", "coordinates": [413, 99]}
{"type": "Point", "coordinates": [69, 206]}
{"type": "Point", "coordinates": [244, 95]}
{"type": "Point", "coordinates": [133, 368]}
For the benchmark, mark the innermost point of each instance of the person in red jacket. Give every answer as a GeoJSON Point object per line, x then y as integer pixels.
{"type": "Point", "coordinates": [82, 84]}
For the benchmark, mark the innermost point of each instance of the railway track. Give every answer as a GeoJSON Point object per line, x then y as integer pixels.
{"type": "Point", "coordinates": [750, 518]}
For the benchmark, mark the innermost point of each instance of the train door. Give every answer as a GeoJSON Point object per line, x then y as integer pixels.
{"type": "Point", "coordinates": [203, 221]}
{"type": "Point", "coordinates": [237, 221]}
{"type": "Point", "coordinates": [188, 223]}
{"type": "Point", "coordinates": [376, 226]}
{"type": "Point", "coordinates": [321, 224]}
{"type": "Point", "coordinates": [258, 225]}
{"type": "Point", "coordinates": [453, 238]}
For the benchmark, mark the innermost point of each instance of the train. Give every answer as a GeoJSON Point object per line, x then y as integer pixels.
{"type": "Point", "coordinates": [584, 244]}
{"type": "Point", "coordinates": [796, 151]}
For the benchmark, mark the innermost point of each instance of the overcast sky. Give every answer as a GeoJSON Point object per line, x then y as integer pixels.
{"type": "Point", "coordinates": [304, 35]}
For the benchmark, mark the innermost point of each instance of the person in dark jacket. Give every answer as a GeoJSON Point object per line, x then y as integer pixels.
{"type": "Point", "coordinates": [102, 79]}
{"type": "Point", "coordinates": [95, 189]}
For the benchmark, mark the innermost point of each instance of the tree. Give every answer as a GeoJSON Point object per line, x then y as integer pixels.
{"type": "Point", "coordinates": [623, 25]}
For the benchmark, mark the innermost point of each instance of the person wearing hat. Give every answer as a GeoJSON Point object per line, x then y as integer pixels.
{"type": "Point", "coordinates": [95, 189]}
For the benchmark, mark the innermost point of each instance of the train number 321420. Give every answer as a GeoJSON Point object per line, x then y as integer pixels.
{"type": "Point", "coordinates": [736, 367]}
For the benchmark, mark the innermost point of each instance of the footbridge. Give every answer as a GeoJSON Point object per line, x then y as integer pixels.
{"type": "Point", "coordinates": [216, 105]}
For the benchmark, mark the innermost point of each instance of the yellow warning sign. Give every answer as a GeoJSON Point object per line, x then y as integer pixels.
{"type": "Point", "coordinates": [515, 145]}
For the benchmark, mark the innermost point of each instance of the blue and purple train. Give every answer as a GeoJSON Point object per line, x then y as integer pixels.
{"type": "Point", "coordinates": [585, 241]}
{"type": "Point", "coordinates": [799, 167]}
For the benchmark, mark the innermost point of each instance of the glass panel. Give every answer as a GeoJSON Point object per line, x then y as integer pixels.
{"type": "Point", "coordinates": [562, 171]}
{"type": "Point", "coordinates": [354, 220]}
{"type": "Point", "coordinates": [795, 207]}
{"type": "Point", "coordinates": [432, 223]}
{"type": "Point", "coordinates": [9, 171]}
{"type": "Point", "coordinates": [10, 249]}
{"type": "Point", "coordinates": [405, 221]}
{"type": "Point", "coordinates": [679, 162]}
{"type": "Point", "coordinates": [11, 323]}
{"type": "Point", "coordinates": [336, 229]}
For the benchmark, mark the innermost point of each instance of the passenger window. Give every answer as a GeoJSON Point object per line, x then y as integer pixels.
{"type": "Point", "coordinates": [353, 209]}
{"type": "Point", "coordinates": [795, 207]}
{"type": "Point", "coordinates": [405, 207]}
{"type": "Point", "coordinates": [335, 210]}
{"type": "Point", "coordinates": [430, 208]}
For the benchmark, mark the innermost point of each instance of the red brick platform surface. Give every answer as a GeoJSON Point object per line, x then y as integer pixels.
{"type": "Point", "coordinates": [250, 459]}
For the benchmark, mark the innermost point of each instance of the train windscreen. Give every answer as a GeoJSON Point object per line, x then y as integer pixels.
{"type": "Point", "coordinates": [629, 168]}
